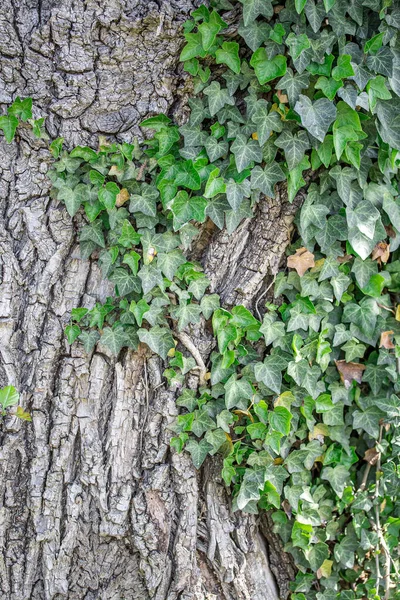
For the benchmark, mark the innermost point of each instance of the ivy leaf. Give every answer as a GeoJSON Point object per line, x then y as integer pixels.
{"type": "Point", "coordinates": [313, 214]}
{"type": "Point", "coordinates": [129, 237]}
{"type": "Point", "coordinates": [338, 478]}
{"type": "Point", "coordinates": [235, 192]}
{"type": "Point", "coordinates": [316, 117]}
{"type": "Point", "coordinates": [266, 122]}
{"type": "Point", "coordinates": [9, 124]}
{"type": "Point", "coordinates": [280, 419]}
{"type": "Point", "coordinates": [150, 277]}
{"type": "Point", "coordinates": [363, 270]}
{"type": "Point", "coordinates": [170, 262]}
{"type": "Point", "coordinates": [187, 176]}
{"type": "Point", "coordinates": [198, 286]}
{"type": "Point", "coordinates": [302, 260]}
{"type": "Point", "coordinates": [266, 69]}
{"type": "Point", "coordinates": [368, 420]}
{"type": "Point", "coordinates": [253, 8]}
{"type": "Point", "coordinates": [294, 146]}
{"type": "Point", "coordinates": [187, 313]}
{"type": "Point", "coordinates": [132, 260]}
{"type": "Point", "coordinates": [114, 339]}
{"type": "Point", "coordinates": [145, 202]}
{"type": "Point", "coordinates": [245, 151]}
{"type": "Point", "coordinates": [343, 68]}
{"type": "Point", "coordinates": [228, 55]}
{"type": "Point", "coordinates": [363, 315]}
{"type": "Point", "coordinates": [198, 451]}
{"type": "Point", "coordinates": [89, 339]}
{"type": "Point", "coordinates": [216, 149]}
{"type": "Point", "coordinates": [265, 179]}
{"type": "Point", "coordinates": [216, 438]}
{"type": "Point", "coordinates": [22, 109]}
{"type": "Point", "coordinates": [272, 329]}
{"type": "Point", "coordinates": [108, 194]}
{"type": "Point", "coordinates": [159, 340]}
{"type": "Point", "coordinates": [125, 282]}
{"type": "Point", "coordinates": [208, 32]}
{"type": "Point", "coordinates": [317, 555]}
{"type": "Point", "coordinates": [237, 393]}
{"type": "Point", "coordinates": [202, 422]}
{"type": "Point", "coordinates": [254, 34]}
{"type": "Point", "coordinates": [375, 376]}
{"type": "Point", "coordinates": [215, 185]}
{"type": "Point", "coordinates": [185, 209]}
{"type": "Point", "coordinates": [293, 84]}
{"type": "Point", "coordinates": [72, 332]}
{"type": "Point", "coordinates": [217, 97]}
{"type": "Point", "coordinates": [270, 372]}
{"type": "Point", "coordinates": [8, 396]}
{"type": "Point", "coordinates": [157, 122]}
{"type": "Point", "coordinates": [209, 304]}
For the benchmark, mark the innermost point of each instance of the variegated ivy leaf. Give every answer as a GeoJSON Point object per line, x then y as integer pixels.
{"type": "Point", "coordinates": [266, 121]}
{"type": "Point", "coordinates": [246, 151]}
{"type": "Point", "coordinates": [254, 8]}
{"type": "Point", "coordinates": [170, 262]}
{"type": "Point", "coordinates": [151, 277]}
{"type": "Point", "coordinates": [236, 192]}
{"type": "Point", "coordinates": [186, 314]}
{"type": "Point", "coordinates": [114, 339]}
{"type": "Point", "coordinates": [294, 146]}
{"type": "Point", "coordinates": [293, 85]}
{"type": "Point", "coordinates": [316, 116]}
{"type": "Point", "coordinates": [217, 97]}
{"type": "Point", "coordinates": [265, 179]}
{"type": "Point", "coordinates": [159, 339]}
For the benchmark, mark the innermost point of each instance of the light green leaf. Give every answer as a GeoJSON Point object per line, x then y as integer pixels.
{"type": "Point", "coordinates": [267, 69]}
{"type": "Point", "coordinates": [198, 451]}
{"type": "Point", "coordinates": [228, 55]}
{"type": "Point", "coordinates": [185, 209]}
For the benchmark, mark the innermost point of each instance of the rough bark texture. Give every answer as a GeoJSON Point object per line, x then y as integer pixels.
{"type": "Point", "coordinates": [93, 504]}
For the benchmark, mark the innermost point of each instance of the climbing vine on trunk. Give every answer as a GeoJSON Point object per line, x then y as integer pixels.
{"type": "Point", "coordinates": [300, 400]}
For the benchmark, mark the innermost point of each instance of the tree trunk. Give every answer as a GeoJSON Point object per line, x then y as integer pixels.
{"type": "Point", "coordinates": [94, 505]}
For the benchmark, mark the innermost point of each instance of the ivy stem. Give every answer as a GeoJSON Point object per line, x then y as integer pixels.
{"type": "Point", "coordinates": [187, 342]}
{"type": "Point", "coordinates": [265, 292]}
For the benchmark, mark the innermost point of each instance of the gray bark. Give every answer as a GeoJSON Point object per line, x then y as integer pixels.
{"type": "Point", "coordinates": [93, 504]}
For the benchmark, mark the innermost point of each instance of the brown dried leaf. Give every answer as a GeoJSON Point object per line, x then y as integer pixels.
{"type": "Point", "coordinates": [122, 197]}
{"type": "Point", "coordinates": [301, 261]}
{"type": "Point", "coordinates": [349, 371]}
{"type": "Point", "coordinates": [386, 342]}
{"type": "Point", "coordinates": [371, 456]}
{"type": "Point", "coordinates": [381, 252]}
{"type": "Point", "coordinates": [283, 99]}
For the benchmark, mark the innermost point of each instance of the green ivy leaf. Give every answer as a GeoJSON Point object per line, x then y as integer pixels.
{"type": "Point", "coordinates": [185, 209]}
{"type": "Point", "coordinates": [9, 124]}
{"type": "Point", "coordinates": [266, 69]}
{"type": "Point", "coordinates": [198, 451]}
{"type": "Point", "coordinates": [228, 55]}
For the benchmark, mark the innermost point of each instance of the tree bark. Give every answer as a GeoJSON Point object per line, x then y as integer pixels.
{"type": "Point", "coordinates": [93, 503]}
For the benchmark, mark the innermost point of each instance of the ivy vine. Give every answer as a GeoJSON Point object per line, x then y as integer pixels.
{"type": "Point", "coordinates": [303, 405]}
